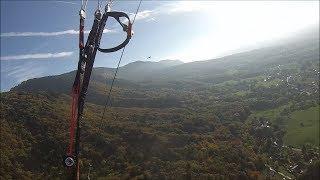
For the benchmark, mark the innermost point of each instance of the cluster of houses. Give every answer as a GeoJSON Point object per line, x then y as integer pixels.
{"type": "Point", "coordinates": [294, 163]}
{"type": "Point", "coordinates": [290, 80]}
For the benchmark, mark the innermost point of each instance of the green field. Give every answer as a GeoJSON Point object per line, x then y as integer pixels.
{"type": "Point", "coordinates": [298, 134]}
{"type": "Point", "coordinates": [270, 114]}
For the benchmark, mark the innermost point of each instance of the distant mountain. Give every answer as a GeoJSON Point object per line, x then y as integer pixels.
{"type": "Point", "coordinates": [142, 70]}
{"type": "Point", "coordinates": [153, 64]}
{"type": "Point", "coordinates": [174, 73]}
{"type": "Point", "coordinates": [135, 72]}
{"type": "Point", "coordinates": [301, 48]}
{"type": "Point", "coordinates": [170, 62]}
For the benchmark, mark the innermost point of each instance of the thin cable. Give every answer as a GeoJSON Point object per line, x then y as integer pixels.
{"type": "Point", "coordinates": [116, 72]}
{"type": "Point", "coordinates": [99, 5]}
{"type": "Point", "coordinates": [111, 87]}
{"type": "Point", "coordinates": [136, 12]}
{"type": "Point", "coordinates": [84, 4]}
{"type": "Point", "coordinates": [110, 2]}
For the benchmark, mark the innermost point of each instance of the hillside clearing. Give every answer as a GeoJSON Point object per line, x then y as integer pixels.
{"type": "Point", "coordinates": [303, 127]}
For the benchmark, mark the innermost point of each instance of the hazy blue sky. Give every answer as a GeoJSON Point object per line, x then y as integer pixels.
{"type": "Point", "coordinates": [39, 38]}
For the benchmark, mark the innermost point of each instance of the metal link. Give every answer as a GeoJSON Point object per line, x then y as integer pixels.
{"type": "Point", "coordinates": [82, 13]}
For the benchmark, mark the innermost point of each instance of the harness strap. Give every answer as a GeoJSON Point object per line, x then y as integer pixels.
{"type": "Point", "coordinates": [88, 59]}
{"type": "Point", "coordinates": [87, 54]}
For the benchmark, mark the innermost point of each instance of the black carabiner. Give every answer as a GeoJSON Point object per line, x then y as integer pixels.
{"type": "Point", "coordinates": [127, 28]}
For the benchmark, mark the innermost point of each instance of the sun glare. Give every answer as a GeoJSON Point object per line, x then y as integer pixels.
{"type": "Point", "coordinates": [237, 25]}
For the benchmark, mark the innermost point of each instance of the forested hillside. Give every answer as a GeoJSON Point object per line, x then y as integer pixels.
{"type": "Point", "coordinates": [245, 116]}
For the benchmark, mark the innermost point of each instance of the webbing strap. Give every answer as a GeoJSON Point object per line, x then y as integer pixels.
{"type": "Point", "coordinates": [87, 56]}
{"type": "Point", "coordinates": [73, 118]}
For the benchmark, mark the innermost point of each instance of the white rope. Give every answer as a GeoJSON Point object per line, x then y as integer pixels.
{"type": "Point", "coordinates": [99, 5]}
{"type": "Point", "coordinates": [84, 4]}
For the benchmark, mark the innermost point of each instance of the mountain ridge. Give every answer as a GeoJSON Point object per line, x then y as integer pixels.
{"type": "Point", "coordinates": [149, 72]}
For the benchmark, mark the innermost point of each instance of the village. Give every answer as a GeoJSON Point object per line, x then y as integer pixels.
{"type": "Point", "coordinates": [287, 162]}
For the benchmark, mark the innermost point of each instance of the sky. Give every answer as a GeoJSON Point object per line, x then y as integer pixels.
{"type": "Point", "coordinates": [40, 38]}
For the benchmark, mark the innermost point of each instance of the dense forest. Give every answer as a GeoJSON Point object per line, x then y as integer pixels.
{"type": "Point", "coordinates": [252, 115]}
